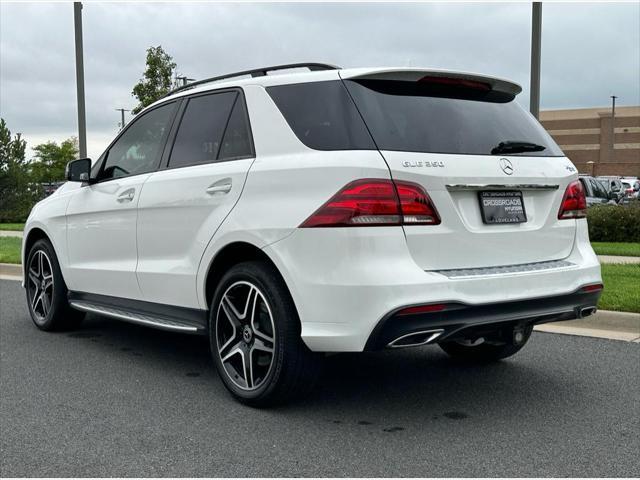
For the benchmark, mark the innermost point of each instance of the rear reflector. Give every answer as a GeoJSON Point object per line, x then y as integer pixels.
{"type": "Point", "coordinates": [435, 307]}
{"type": "Point", "coordinates": [574, 202]}
{"type": "Point", "coordinates": [456, 82]}
{"type": "Point", "coordinates": [373, 203]}
{"type": "Point", "coordinates": [592, 288]}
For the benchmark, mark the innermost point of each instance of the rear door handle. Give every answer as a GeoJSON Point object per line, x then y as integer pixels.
{"type": "Point", "coordinates": [220, 187]}
{"type": "Point", "coordinates": [127, 195]}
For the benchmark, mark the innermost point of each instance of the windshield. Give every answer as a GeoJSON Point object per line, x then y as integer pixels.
{"type": "Point", "coordinates": [411, 116]}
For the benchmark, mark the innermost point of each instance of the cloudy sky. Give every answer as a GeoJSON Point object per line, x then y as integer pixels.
{"type": "Point", "coordinates": [589, 51]}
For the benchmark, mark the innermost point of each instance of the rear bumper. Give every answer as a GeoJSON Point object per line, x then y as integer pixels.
{"type": "Point", "coordinates": [463, 321]}
{"type": "Point", "coordinates": [345, 282]}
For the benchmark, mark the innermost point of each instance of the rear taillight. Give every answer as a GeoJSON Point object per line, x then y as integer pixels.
{"type": "Point", "coordinates": [416, 206]}
{"type": "Point", "coordinates": [574, 202]}
{"type": "Point", "coordinates": [374, 203]}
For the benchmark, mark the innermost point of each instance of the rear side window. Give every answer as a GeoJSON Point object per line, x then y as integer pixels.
{"type": "Point", "coordinates": [322, 115]}
{"type": "Point", "coordinates": [416, 117]}
{"type": "Point", "coordinates": [211, 130]}
{"type": "Point", "coordinates": [236, 142]}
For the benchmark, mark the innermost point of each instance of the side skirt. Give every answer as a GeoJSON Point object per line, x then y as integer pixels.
{"type": "Point", "coordinates": [155, 315]}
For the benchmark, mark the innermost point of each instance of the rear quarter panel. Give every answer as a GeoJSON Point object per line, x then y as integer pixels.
{"type": "Point", "coordinates": [286, 183]}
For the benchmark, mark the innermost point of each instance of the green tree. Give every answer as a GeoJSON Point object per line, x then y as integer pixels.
{"type": "Point", "coordinates": [17, 193]}
{"type": "Point", "coordinates": [156, 81]}
{"type": "Point", "coordinates": [51, 159]}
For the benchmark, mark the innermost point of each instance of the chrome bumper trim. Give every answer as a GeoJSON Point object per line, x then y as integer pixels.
{"type": "Point", "coordinates": [489, 271]}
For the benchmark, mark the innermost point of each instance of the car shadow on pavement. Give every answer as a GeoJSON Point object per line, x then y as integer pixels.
{"type": "Point", "coordinates": [423, 380]}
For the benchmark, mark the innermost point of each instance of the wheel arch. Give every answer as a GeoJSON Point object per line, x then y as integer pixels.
{"type": "Point", "coordinates": [230, 255]}
{"type": "Point", "coordinates": [35, 234]}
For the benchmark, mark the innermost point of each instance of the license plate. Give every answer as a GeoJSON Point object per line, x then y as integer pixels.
{"type": "Point", "coordinates": [502, 207]}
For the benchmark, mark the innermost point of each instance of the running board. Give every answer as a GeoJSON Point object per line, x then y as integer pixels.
{"type": "Point", "coordinates": [141, 318]}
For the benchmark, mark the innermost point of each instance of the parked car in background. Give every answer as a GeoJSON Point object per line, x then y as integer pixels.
{"type": "Point", "coordinates": [49, 188]}
{"type": "Point", "coordinates": [614, 188]}
{"type": "Point", "coordinates": [595, 192]}
{"type": "Point", "coordinates": [632, 186]}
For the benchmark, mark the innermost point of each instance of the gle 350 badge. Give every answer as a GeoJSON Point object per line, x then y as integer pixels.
{"type": "Point", "coordinates": [420, 163]}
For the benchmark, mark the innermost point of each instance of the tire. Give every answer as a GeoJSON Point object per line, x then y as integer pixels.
{"type": "Point", "coordinates": [488, 352]}
{"type": "Point", "coordinates": [251, 313]}
{"type": "Point", "coordinates": [46, 291]}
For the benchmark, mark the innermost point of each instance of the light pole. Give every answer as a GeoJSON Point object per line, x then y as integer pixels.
{"type": "Point", "coordinates": [536, 46]}
{"type": "Point", "coordinates": [82, 122]}
{"type": "Point", "coordinates": [612, 151]}
{"type": "Point", "coordinates": [122, 110]}
{"type": "Point", "coordinates": [185, 79]}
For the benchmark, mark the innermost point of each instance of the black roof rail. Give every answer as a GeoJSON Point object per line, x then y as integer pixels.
{"type": "Point", "coordinates": [256, 72]}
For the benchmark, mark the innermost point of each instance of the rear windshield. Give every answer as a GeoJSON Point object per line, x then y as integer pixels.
{"type": "Point", "coordinates": [408, 116]}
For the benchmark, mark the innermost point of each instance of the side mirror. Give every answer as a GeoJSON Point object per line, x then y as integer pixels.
{"type": "Point", "coordinates": [78, 170]}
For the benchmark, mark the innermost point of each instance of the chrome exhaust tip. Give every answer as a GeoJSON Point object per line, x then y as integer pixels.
{"type": "Point", "coordinates": [415, 339]}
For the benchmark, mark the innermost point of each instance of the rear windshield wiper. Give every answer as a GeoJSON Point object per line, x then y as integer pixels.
{"type": "Point", "coordinates": [516, 147]}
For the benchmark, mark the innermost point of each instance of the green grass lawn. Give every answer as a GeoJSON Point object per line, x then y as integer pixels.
{"type": "Point", "coordinates": [10, 249]}
{"type": "Point", "coordinates": [14, 227]}
{"type": "Point", "coordinates": [621, 287]}
{"type": "Point", "coordinates": [631, 249]}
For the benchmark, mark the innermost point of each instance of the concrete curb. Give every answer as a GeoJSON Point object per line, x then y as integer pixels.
{"type": "Point", "coordinates": [604, 324]}
{"type": "Point", "coordinates": [10, 233]}
{"type": "Point", "coordinates": [617, 259]}
{"type": "Point", "coordinates": [11, 269]}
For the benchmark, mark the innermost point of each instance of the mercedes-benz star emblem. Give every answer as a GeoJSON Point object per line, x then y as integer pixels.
{"type": "Point", "coordinates": [506, 166]}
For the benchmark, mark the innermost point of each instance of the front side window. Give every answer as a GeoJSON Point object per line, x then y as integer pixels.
{"type": "Point", "coordinates": [139, 148]}
{"type": "Point", "coordinates": [213, 128]}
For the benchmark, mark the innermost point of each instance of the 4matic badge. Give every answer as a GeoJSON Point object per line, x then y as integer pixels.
{"type": "Point", "coordinates": [420, 163]}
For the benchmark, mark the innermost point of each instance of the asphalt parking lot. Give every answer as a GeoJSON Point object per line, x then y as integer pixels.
{"type": "Point", "coordinates": [114, 399]}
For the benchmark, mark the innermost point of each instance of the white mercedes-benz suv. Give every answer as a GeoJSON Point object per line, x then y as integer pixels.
{"type": "Point", "coordinates": [335, 210]}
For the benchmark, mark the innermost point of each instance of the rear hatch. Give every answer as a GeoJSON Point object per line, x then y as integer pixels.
{"type": "Point", "coordinates": [494, 175]}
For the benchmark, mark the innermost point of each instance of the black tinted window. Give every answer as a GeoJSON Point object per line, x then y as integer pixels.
{"type": "Point", "coordinates": [139, 148]}
{"type": "Point", "coordinates": [237, 138]}
{"type": "Point", "coordinates": [415, 117]}
{"type": "Point", "coordinates": [598, 189]}
{"type": "Point", "coordinates": [322, 115]}
{"type": "Point", "coordinates": [201, 129]}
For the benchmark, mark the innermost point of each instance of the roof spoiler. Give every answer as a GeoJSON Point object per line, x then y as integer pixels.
{"type": "Point", "coordinates": [416, 74]}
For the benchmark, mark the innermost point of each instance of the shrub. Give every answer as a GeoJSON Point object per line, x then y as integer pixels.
{"type": "Point", "coordinates": [612, 223]}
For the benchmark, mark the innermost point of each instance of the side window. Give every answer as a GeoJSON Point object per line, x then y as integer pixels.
{"type": "Point", "coordinates": [322, 115]}
{"type": "Point", "coordinates": [139, 148]}
{"type": "Point", "coordinates": [201, 129]}
{"type": "Point", "coordinates": [598, 190]}
{"type": "Point", "coordinates": [237, 138]}
{"type": "Point", "coordinates": [587, 186]}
